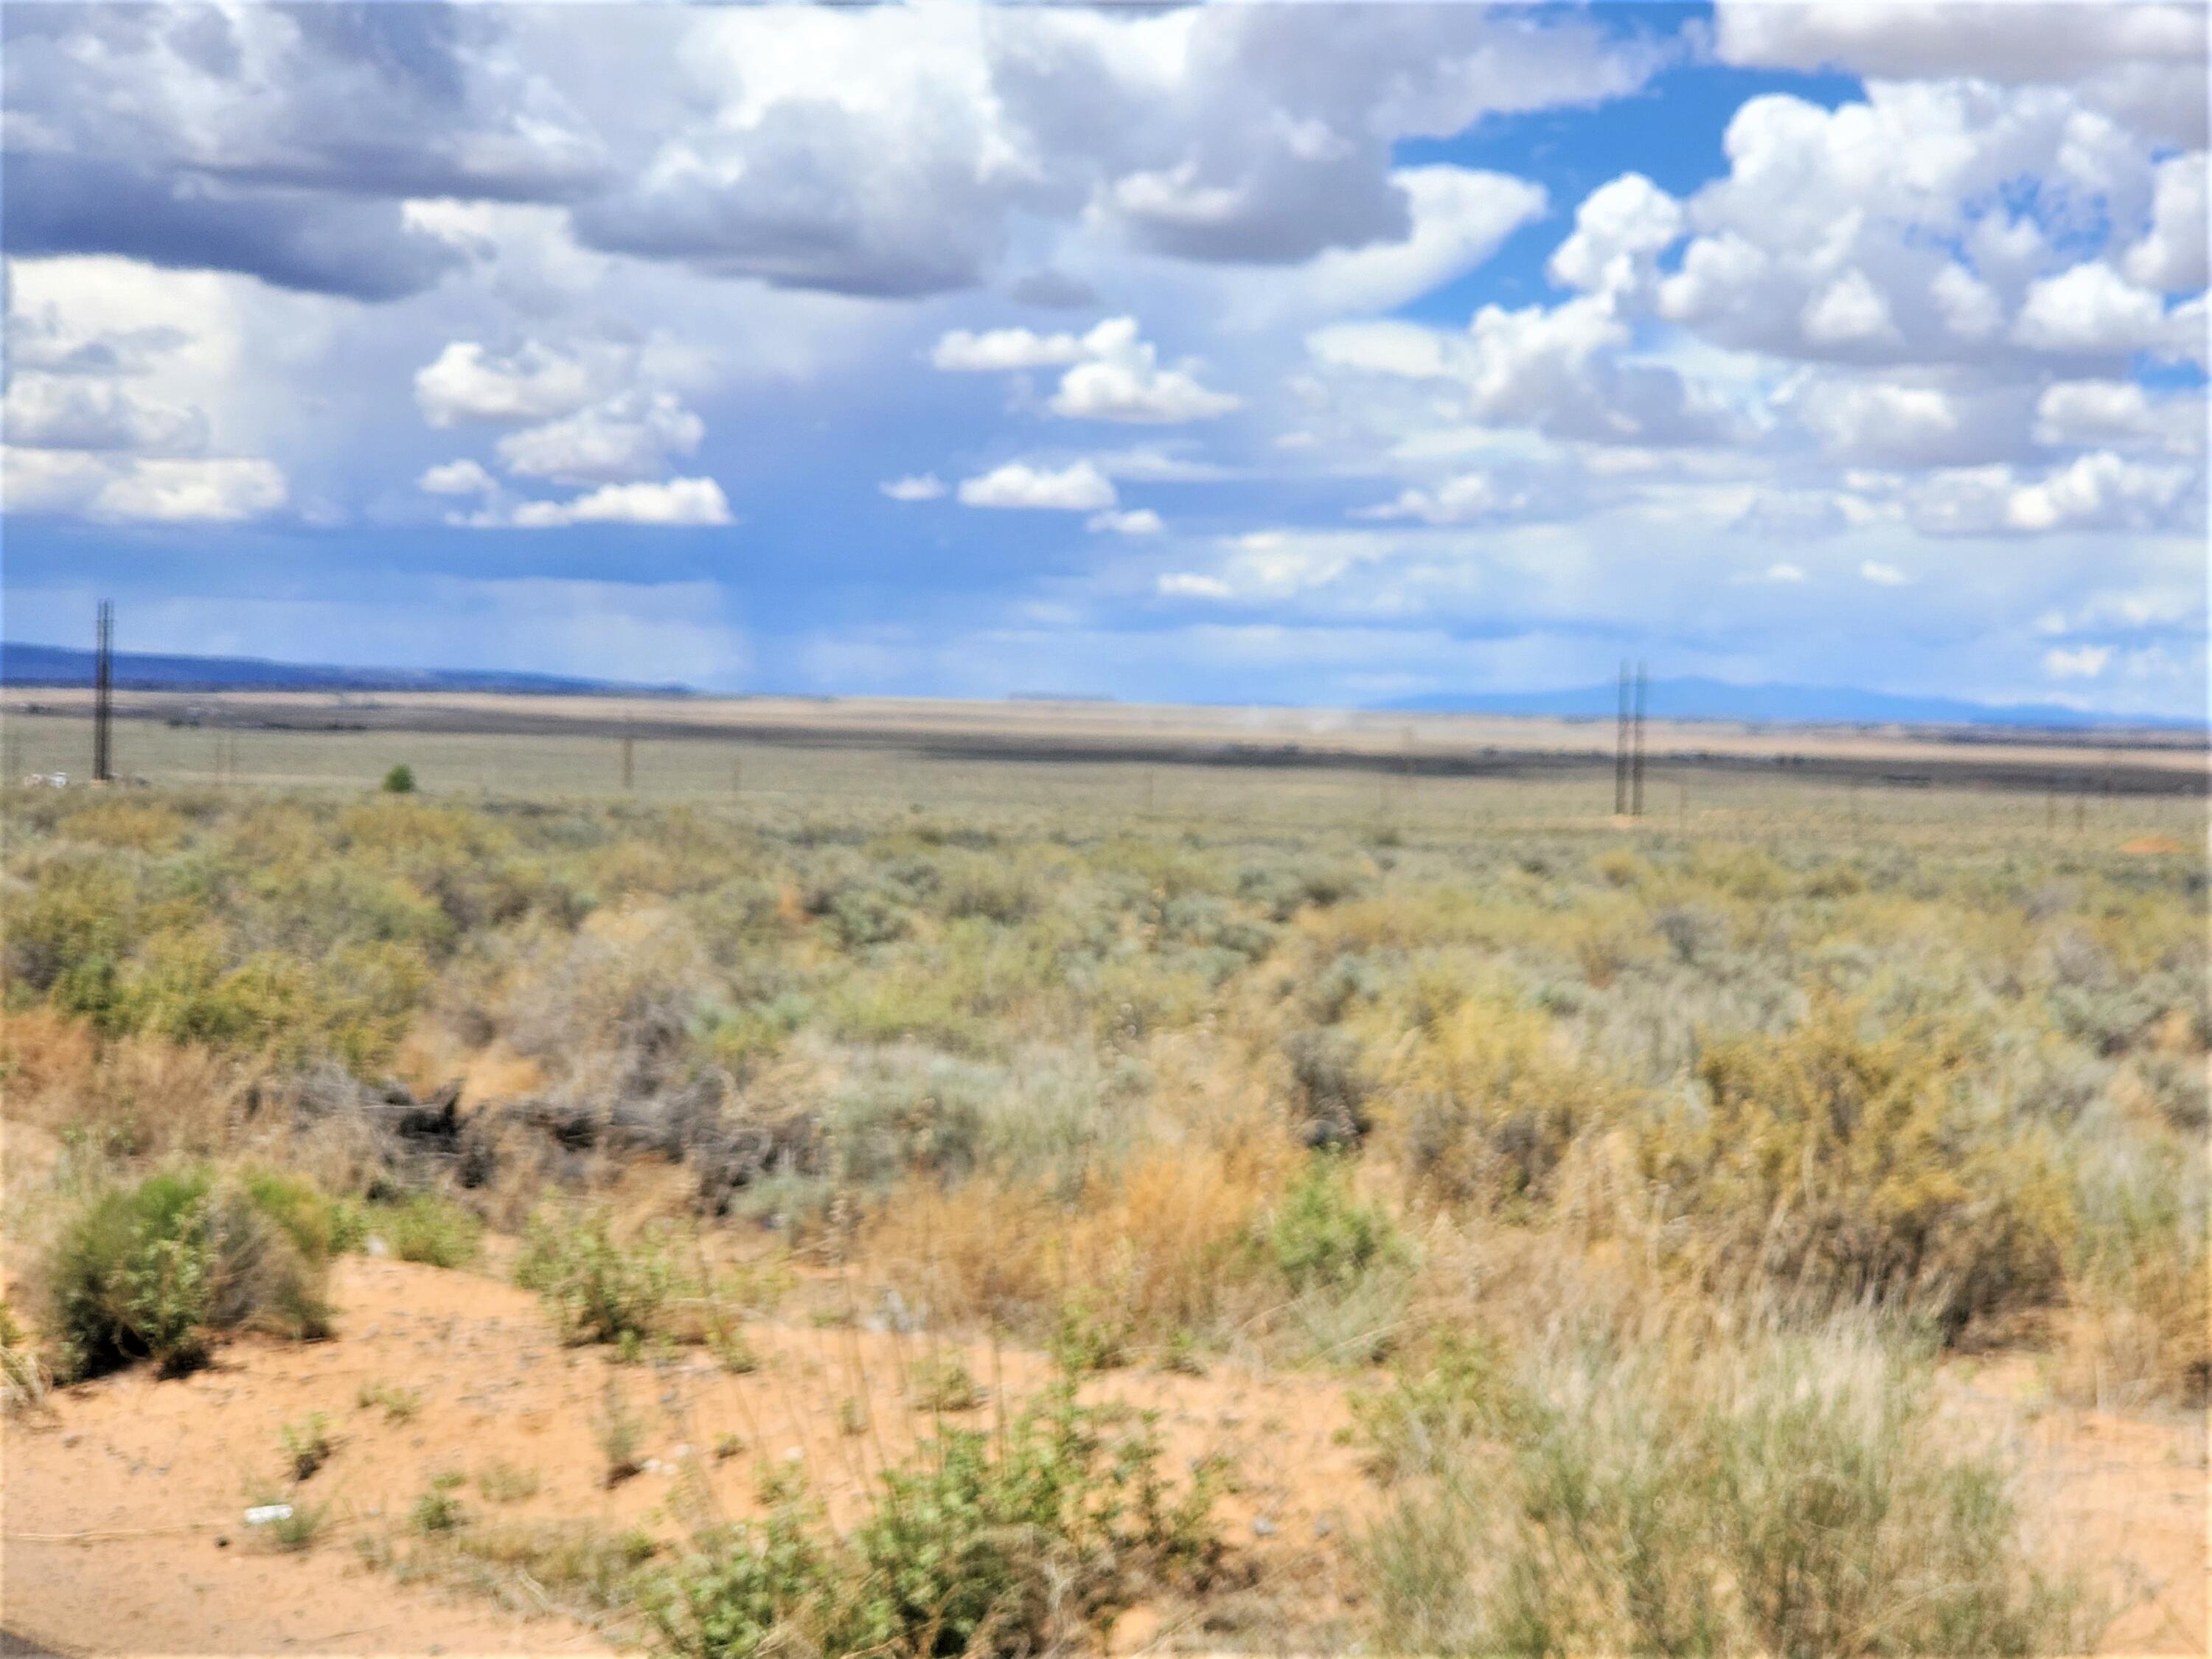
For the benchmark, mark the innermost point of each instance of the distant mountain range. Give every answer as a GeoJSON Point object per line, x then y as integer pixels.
{"type": "Point", "coordinates": [138, 670]}
{"type": "Point", "coordinates": [1686, 698]}
{"type": "Point", "coordinates": [1693, 699]}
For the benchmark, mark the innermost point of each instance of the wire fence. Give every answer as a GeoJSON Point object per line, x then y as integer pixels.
{"type": "Point", "coordinates": [866, 785]}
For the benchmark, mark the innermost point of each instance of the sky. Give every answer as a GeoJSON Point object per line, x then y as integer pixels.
{"type": "Point", "coordinates": [1269, 353]}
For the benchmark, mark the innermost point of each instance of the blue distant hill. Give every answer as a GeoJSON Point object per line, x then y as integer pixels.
{"type": "Point", "coordinates": [1687, 698]}
{"type": "Point", "coordinates": [1693, 699]}
{"type": "Point", "coordinates": [139, 670]}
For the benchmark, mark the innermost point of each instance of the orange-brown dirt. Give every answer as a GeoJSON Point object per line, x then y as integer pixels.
{"type": "Point", "coordinates": [124, 1502]}
{"type": "Point", "coordinates": [123, 1506]}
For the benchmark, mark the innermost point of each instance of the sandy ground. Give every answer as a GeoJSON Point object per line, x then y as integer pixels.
{"type": "Point", "coordinates": [124, 1504]}
{"type": "Point", "coordinates": [124, 1510]}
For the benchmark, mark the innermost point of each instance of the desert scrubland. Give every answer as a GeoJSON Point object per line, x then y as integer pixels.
{"type": "Point", "coordinates": [862, 1199]}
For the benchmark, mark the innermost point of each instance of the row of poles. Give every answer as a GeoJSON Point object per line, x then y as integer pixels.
{"type": "Point", "coordinates": [1628, 748]}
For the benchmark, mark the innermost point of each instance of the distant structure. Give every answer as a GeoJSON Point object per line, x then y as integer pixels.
{"type": "Point", "coordinates": [1621, 749]}
{"type": "Point", "coordinates": [1635, 759]}
{"type": "Point", "coordinates": [1628, 746]}
{"type": "Point", "coordinates": [103, 694]}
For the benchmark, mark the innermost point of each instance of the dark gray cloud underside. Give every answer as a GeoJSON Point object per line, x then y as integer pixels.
{"type": "Point", "coordinates": [315, 243]}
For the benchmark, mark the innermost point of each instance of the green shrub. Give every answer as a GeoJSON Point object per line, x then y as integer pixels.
{"type": "Point", "coordinates": [1322, 1237]}
{"type": "Point", "coordinates": [294, 1530]}
{"type": "Point", "coordinates": [158, 1270]}
{"type": "Point", "coordinates": [436, 1511]}
{"type": "Point", "coordinates": [399, 781]}
{"type": "Point", "coordinates": [1463, 1391]}
{"type": "Point", "coordinates": [943, 1386]}
{"type": "Point", "coordinates": [399, 1405]}
{"type": "Point", "coordinates": [427, 1228]}
{"type": "Point", "coordinates": [981, 1545]}
{"type": "Point", "coordinates": [501, 1482]}
{"type": "Point", "coordinates": [598, 1290]}
{"type": "Point", "coordinates": [320, 1225]}
{"type": "Point", "coordinates": [306, 1445]}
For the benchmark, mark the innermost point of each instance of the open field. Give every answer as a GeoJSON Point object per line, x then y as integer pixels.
{"type": "Point", "coordinates": [710, 731]}
{"type": "Point", "coordinates": [888, 1199]}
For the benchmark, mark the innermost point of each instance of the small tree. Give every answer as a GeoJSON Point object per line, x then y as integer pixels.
{"type": "Point", "coordinates": [399, 781]}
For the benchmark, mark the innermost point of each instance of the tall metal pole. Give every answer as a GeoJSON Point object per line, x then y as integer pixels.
{"type": "Point", "coordinates": [1620, 748]}
{"type": "Point", "coordinates": [103, 681]}
{"type": "Point", "coordinates": [1636, 773]}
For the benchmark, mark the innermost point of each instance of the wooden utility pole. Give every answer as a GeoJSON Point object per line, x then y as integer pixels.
{"type": "Point", "coordinates": [1621, 749]}
{"type": "Point", "coordinates": [103, 693]}
{"type": "Point", "coordinates": [1636, 762]}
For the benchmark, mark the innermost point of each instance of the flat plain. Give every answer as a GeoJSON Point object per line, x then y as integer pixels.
{"type": "Point", "coordinates": [822, 1178]}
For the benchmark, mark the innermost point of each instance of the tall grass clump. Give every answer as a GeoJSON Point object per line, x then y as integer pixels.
{"type": "Point", "coordinates": [1789, 1496]}
{"type": "Point", "coordinates": [159, 1269]}
{"type": "Point", "coordinates": [22, 1372]}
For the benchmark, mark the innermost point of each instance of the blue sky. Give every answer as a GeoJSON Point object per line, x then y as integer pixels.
{"type": "Point", "coordinates": [1284, 353]}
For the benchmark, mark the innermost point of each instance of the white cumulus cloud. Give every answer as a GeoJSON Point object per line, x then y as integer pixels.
{"type": "Point", "coordinates": [468, 382]}
{"type": "Point", "coordinates": [920, 486]}
{"type": "Point", "coordinates": [1140, 521]}
{"type": "Point", "coordinates": [681, 503]}
{"type": "Point", "coordinates": [1078, 487]}
{"type": "Point", "coordinates": [2082, 662]}
{"type": "Point", "coordinates": [221, 491]}
{"type": "Point", "coordinates": [461, 478]}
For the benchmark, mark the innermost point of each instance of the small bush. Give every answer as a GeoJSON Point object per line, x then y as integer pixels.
{"type": "Point", "coordinates": [1836, 1168]}
{"type": "Point", "coordinates": [295, 1532]}
{"type": "Point", "coordinates": [981, 1546]}
{"type": "Point", "coordinates": [399, 781]}
{"type": "Point", "coordinates": [598, 1290]}
{"type": "Point", "coordinates": [1433, 1410]}
{"type": "Point", "coordinates": [399, 1405]}
{"type": "Point", "coordinates": [1329, 1089]}
{"type": "Point", "coordinates": [618, 1433]}
{"type": "Point", "coordinates": [501, 1482]}
{"type": "Point", "coordinates": [307, 1445]}
{"type": "Point", "coordinates": [159, 1270]}
{"type": "Point", "coordinates": [1322, 1237]}
{"type": "Point", "coordinates": [427, 1227]}
{"type": "Point", "coordinates": [436, 1511]}
{"type": "Point", "coordinates": [1488, 1107]}
{"type": "Point", "coordinates": [943, 1386]}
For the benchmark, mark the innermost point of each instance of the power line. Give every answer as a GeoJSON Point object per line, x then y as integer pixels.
{"type": "Point", "coordinates": [1621, 749]}
{"type": "Point", "coordinates": [103, 693]}
{"type": "Point", "coordinates": [1635, 765]}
